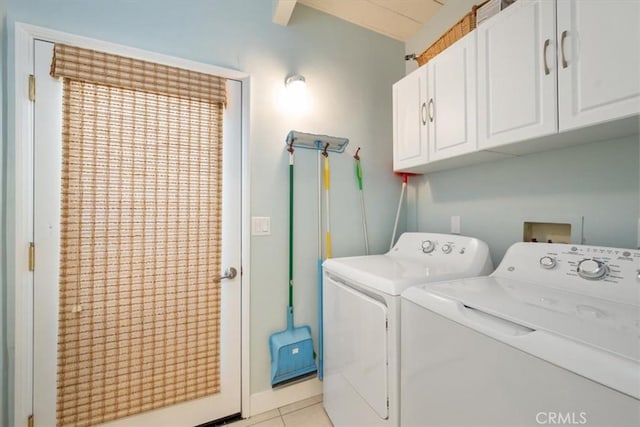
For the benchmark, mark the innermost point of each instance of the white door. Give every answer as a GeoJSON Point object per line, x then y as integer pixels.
{"type": "Point", "coordinates": [410, 120]}
{"type": "Point", "coordinates": [452, 100]}
{"type": "Point", "coordinates": [598, 61]}
{"type": "Point", "coordinates": [47, 182]}
{"type": "Point", "coordinates": [517, 74]}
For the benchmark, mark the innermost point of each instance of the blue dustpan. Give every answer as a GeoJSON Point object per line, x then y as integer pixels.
{"type": "Point", "coordinates": [292, 349]}
{"type": "Point", "coordinates": [291, 352]}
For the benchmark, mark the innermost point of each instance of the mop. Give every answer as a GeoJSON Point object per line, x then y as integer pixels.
{"type": "Point", "coordinates": [326, 203]}
{"type": "Point", "coordinates": [360, 187]}
{"type": "Point", "coordinates": [281, 354]}
{"type": "Point", "coordinates": [328, 253]}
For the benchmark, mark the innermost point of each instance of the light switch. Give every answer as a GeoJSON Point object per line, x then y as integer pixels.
{"type": "Point", "coordinates": [261, 226]}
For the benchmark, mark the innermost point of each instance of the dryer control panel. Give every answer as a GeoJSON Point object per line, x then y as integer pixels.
{"type": "Point", "coordinates": [437, 245]}
{"type": "Point", "coordinates": [443, 254]}
{"type": "Point", "coordinates": [610, 273]}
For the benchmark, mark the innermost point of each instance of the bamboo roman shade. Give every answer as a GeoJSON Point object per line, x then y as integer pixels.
{"type": "Point", "coordinates": [141, 230]}
{"type": "Point", "coordinates": [113, 70]}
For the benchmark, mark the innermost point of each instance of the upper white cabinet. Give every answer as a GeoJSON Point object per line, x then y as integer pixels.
{"type": "Point", "coordinates": [598, 61]}
{"type": "Point", "coordinates": [434, 108]}
{"type": "Point", "coordinates": [410, 135]}
{"type": "Point", "coordinates": [451, 81]}
{"type": "Point", "coordinates": [591, 52]}
{"type": "Point", "coordinates": [517, 74]}
{"type": "Point", "coordinates": [546, 74]}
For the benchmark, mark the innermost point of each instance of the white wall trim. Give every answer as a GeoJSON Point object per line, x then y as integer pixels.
{"type": "Point", "coordinates": [272, 399]}
{"type": "Point", "coordinates": [20, 290]}
{"type": "Point", "coordinates": [55, 36]}
{"type": "Point", "coordinates": [246, 252]}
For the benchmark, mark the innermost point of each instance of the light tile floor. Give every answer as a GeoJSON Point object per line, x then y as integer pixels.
{"type": "Point", "coordinates": [305, 413]}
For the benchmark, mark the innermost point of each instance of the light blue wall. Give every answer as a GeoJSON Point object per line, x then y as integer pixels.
{"type": "Point", "coordinates": [349, 71]}
{"type": "Point", "coordinates": [598, 181]}
{"type": "Point", "coordinates": [3, 287]}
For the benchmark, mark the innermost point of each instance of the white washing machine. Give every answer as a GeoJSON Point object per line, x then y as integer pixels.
{"type": "Point", "coordinates": [551, 337]}
{"type": "Point", "coordinates": [361, 301]}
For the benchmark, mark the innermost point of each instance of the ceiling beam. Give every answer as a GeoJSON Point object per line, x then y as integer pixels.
{"type": "Point", "coordinates": [282, 11]}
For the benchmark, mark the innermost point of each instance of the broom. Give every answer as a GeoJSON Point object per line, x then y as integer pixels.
{"type": "Point", "coordinates": [291, 349]}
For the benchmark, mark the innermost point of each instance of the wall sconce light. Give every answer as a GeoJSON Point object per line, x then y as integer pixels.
{"type": "Point", "coordinates": [295, 82]}
{"type": "Point", "coordinates": [294, 100]}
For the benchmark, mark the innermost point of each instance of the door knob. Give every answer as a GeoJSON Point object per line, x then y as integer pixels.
{"type": "Point", "coordinates": [229, 273]}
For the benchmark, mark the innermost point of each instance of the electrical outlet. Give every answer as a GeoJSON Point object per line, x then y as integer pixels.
{"type": "Point", "coordinates": [455, 224]}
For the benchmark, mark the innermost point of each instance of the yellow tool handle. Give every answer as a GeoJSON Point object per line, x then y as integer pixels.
{"type": "Point", "coordinates": [326, 193]}
{"type": "Point", "coordinates": [326, 173]}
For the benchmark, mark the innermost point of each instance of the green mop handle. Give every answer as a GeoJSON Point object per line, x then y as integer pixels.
{"type": "Point", "coordinates": [291, 227]}
{"type": "Point", "coordinates": [358, 169]}
{"type": "Point", "coordinates": [364, 216]}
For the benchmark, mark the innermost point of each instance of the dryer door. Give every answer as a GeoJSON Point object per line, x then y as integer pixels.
{"type": "Point", "coordinates": [356, 345]}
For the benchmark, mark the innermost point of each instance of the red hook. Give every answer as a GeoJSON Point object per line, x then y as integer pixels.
{"type": "Point", "coordinates": [356, 156]}
{"type": "Point", "coordinates": [290, 149]}
{"type": "Point", "coordinates": [405, 175]}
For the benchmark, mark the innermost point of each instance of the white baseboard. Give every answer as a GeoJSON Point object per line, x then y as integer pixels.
{"type": "Point", "coordinates": [271, 399]}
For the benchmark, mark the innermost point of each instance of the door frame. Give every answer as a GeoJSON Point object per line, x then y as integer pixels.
{"type": "Point", "coordinates": [20, 289]}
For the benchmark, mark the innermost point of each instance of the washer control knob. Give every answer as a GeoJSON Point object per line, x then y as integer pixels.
{"type": "Point", "coordinates": [447, 248]}
{"type": "Point", "coordinates": [428, 246]}
{"type": "Point", "coordinates": [592, 269]}
{"type": "Point", "coordinates": [547, 262]}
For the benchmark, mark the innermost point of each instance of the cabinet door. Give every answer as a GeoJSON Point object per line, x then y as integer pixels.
{"type": "Point", "coordinates": [410, 121]}
{"type": "Point", "coordinates": [599, 61]}
{"type": "Point", "coordinates": [516, 74]}
{"type": "Point", "coordinates": [451, 106]}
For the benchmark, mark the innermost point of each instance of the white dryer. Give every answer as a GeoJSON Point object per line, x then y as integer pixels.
{"type": "Point", "coordinates": [551, 337]}
{"type": "Point", "coordinates": [361, 300]}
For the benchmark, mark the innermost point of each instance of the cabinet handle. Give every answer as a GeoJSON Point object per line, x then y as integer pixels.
{"type": "Point", "coordinates": [431, 111]}
{"type": "Point", "coordinates": [423, 113]}
{"type": "Point", "coordinates": [564, 59]}
{"type": "Point", "coordinates": [547, 42]}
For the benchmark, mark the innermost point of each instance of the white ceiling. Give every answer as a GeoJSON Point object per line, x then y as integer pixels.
{"type": "Point", "coordinates": [398, 19]}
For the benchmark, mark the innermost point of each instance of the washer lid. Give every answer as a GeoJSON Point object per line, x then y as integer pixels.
{"type": "Point", "coordinates": [389, 274]}
{"type": "Point", "coordinates": [596, 338]}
